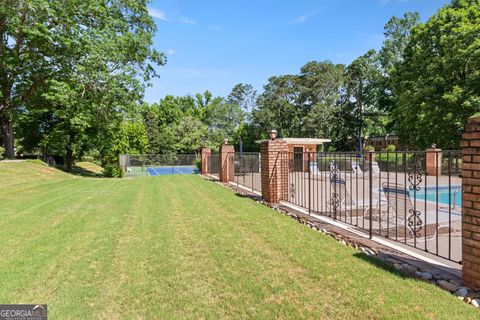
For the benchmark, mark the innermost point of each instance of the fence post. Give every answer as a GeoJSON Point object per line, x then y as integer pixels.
{"type": "Point", "coordinates": [433, 157]}
{"type": "Point", "coordinates": [206, 153]}
{"type": "Point", "coordinates": [274, 169]}
{"type": "Point", "coordinates": [226, 166]}
{"type": "Point", "coordinates": [471, 203]}
{"type": "Point", "coordinates": [371, 158]}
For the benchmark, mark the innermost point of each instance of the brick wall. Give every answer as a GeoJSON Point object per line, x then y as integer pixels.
{"type": "Point", "coordinates": [471, 203]}
{"type": "Point", "coordinates": [274, 168]}
{"type": "Point", "coordinates": [226, 163]}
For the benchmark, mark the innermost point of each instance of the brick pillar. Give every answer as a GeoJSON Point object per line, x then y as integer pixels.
{"type": "Point", "coordinates": [274, 168]}
{"type": "Point", "coordinates": [370, 156]}
{"type": "Point", "coordinates": [206, 153]}
{"type": "Point", "coordinates": [433, 159]}
{"type": "Point", "coordinates": [226, 166]}
{"type": "Point", "coordinates": [471, 203]}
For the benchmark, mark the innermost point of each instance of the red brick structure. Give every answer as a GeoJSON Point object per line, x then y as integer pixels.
{"type": "Point", "coordinates": [471, 203]}
{"type": "Point", "coordinates": [433, 159]}
{"type": "Point", "coordinates": [370, 156]}
{"type": "Point", "coordinates": [274, 168]}
{"type": "Point", "coordinates": [226, 164]}
{"type": "Point", "coordinates": [206, 153]}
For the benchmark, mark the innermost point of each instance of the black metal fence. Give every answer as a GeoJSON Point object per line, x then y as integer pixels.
{"type": "Point", "coordinates": [213, 166]}
{"type": "Point", "coordinates": [391, 194]}
{"type": "Point", "coordinates": [247, 170]}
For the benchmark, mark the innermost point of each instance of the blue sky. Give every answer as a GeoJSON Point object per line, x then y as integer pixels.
{"type": "Point", "coordinates": [213, 45]}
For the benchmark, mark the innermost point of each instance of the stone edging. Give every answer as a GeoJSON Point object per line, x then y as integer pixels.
{"type": "Point", "coordinates": [453, 286]}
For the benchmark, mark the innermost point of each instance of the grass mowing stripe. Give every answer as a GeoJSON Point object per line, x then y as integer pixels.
{"type": "Point", "coordinates": [342, 278]}
{"type": "Point", "coordinates": [38, 246]}
{"type": "Point", "coordinates": [269, 260]}
{"type": "Point", "coordinates": [17, 205]}
{"type": "Point", "coordinates": [79, 255]}
{"type": "Point", "coordinates": [179, 247]}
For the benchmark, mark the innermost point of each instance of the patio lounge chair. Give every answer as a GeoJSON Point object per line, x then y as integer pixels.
{"type": "Point", "coordinates": [399, 216]}
{"type": "Point", "coordinates": [356, 169]}
{"type": "Point", "coordinates": [341, 199]}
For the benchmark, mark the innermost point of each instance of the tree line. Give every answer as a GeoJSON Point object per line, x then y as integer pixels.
{"type": "Point", "coordinates": [72, 83]}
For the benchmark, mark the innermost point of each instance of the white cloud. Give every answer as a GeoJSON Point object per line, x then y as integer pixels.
{"type": "Point", "coordinates": [302, 18]}
{"type": "Point", "coordinates": [186, 20]}
{"type": "Point", "coordinates": [159, 14]}
{"type": "Point", "coordinates": [170, 52]}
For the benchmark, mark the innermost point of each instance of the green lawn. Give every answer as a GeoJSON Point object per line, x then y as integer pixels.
{"type": "Point", "coordinates": [180, 247]}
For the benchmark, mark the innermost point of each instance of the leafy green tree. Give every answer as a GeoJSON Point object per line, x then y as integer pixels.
{"type": "Point", "coordinates": [437, 82]}
{"type": "Point", "coordinates": [397, 33]}
{"type": "Point", "coordinates": [223, 118]}
{"type": "Point", "coordinates": [100, 70]}
{"type": "Point", "coordinates": [191, 134]}
{"type": "Point", "coordinates": [320, 85]}
{"type": "Point", "coordinates": [132, 138]}
{"type": "Point", "coordinates": [363, 92]}
{"type": "Point", "coordinates": [277, 106]}
{"type": "Point", "coordinates": [29, 37]}
{"type": "Point", "coordinates": [244, 96]}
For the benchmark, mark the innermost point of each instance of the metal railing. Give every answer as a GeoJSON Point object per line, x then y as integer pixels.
{"type": "Point", "coordinates": [247, 170]}
{"type": "Point", "coordinates": [390, 194]}
{"type": "Point", "coordinates": [213, 164]}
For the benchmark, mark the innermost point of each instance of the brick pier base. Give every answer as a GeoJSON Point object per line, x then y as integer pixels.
{"type": "Point", "coordinates": [274, 165]}
{"type": "Point", "coordinates": [471, 203]}
{"type": "Point", "coordinates": [206, 153]}
{"type": "Point", "coordinates": [226, 163]}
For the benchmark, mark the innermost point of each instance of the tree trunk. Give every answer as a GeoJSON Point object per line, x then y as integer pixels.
{"type": "Point", "coordinates": [69, 155]}
{"type": "Point", "coordinates": [7, 135]}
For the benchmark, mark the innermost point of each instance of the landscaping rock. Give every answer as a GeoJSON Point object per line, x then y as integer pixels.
{"type": "Point", "coordinates": [475, 303]}
{"type": "Point", "coordinates": [382, 255]}
{"type": "Point", "coordinates": [447, 285]}
{"type": "Point", "coordinates": [424, 275]}
{"type": "Point", "coordinates": [398, 266]}
{"type": "Point", "coordinates": [458, 283]}
{"type": "Point", "coordinates": [392, 261]}
{"type": "Point", "coordinates": [461, 292]}
{"type": "Point", "coordinates": [409, 268]}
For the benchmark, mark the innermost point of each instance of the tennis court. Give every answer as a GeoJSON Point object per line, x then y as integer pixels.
{"type": "Point", "coordinates": [164, 170]}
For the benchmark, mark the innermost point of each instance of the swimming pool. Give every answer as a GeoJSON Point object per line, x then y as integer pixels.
{"type": "Point", "coordinates": [455, 195]}
{"type": "Point", "coordinates": [160, 171]}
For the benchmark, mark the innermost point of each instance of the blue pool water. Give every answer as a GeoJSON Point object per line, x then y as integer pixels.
{"type": "Point", "coordinates": [159, 171]}
{"type": "Point", "coordinates": [443, 195]}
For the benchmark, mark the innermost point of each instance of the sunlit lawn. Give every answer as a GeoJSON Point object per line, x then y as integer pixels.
{"type": "Point", "coordinates": [180, 247]}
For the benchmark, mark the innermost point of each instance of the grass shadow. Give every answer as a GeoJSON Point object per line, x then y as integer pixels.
{"type": "Point", "coordinates": [380, 264]}
{"type": "Point", "coordinates": [80, 171]}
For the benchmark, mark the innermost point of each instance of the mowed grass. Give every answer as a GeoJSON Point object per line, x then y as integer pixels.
{"type": "Point", "coordinates": [180, 247]}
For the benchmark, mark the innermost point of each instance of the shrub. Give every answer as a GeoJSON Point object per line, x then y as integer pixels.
{"type": "Point", "coordinates": [198, 163]}
{"type": "Point", "coordinates": [390, 148]}
{"type": "Point", "coordinates": [112, 171]}
{"type": "Point", "coordinates": [2, 151]}
{"type": "Point", "coordinates": [369, 148]}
